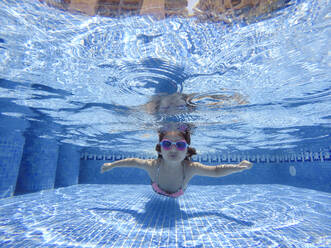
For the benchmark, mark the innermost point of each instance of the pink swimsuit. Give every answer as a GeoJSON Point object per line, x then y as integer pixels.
{"type": "Point", "coordinates": [162, 192]}
{"type": "Point", "coordinates": [157, 189]}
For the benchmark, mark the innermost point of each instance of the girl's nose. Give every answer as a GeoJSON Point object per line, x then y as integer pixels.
{"type": "Point", "coordinates": [173, 147]}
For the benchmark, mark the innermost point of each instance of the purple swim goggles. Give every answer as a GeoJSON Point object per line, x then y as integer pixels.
{"type": "Point", "coordinates": [180, 145]}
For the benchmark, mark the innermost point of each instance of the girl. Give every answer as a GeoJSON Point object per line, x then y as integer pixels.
{"type": "Point", "coordinates": [173, 169]}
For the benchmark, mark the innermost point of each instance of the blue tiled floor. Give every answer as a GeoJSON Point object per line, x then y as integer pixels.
{"type": "Point", "coordinates": [134, 216]}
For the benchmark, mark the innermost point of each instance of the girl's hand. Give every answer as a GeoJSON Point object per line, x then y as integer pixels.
{"type": "Point", "coordinates": [106, 167]}
{"type": "Point", "coordinates": [245, 165]}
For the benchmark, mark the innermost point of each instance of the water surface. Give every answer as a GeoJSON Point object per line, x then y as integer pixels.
{"type": "Point", "coordinates": [85, 80]}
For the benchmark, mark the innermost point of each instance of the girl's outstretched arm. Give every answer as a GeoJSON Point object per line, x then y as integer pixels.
{"type": "Point", "coordinates": [128, 162]}
{"type": "Point", "coordinates": [219, 170]}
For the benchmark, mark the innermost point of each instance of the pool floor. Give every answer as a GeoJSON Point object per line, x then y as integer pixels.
{"type": "Point", "coordinates": [134, 216]}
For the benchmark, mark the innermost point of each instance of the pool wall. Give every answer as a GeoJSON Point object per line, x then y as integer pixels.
{"type": "Point", "coordinates": [30, 159]}
{"type": "Point", "coordinates": [302, 169]}
{"type": "Point", "coordinates": [68, 164]}
{"type": "Point", "coordinates": [11, 148]}
{"type": "Point", "coordinates": [32, 162]}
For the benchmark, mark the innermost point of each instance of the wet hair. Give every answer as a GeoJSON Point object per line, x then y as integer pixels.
{"type": "Point", "coordinates": [186, 135]}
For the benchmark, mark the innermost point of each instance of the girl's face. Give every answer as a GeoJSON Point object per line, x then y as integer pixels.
{"type": "Point", "coordinates": [173, 154]}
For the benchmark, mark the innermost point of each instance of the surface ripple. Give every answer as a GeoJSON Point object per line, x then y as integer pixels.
{"type": "Point", "coordinates": [247, 86]}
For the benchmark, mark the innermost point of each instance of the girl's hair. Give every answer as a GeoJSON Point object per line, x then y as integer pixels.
{"type": "Point", "coordinates": [185, 134]}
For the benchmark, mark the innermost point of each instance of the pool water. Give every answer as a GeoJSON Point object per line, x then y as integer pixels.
{"type": "Point", "coordinates": [85, 80]}
{"type": "Point", "coordinates": [77, 91]}
{"type": "Point", "coordinates": [134, 216]}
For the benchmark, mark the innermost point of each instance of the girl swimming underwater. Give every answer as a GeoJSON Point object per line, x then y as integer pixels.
{"type": "Point", "coordinates": [171, 172]}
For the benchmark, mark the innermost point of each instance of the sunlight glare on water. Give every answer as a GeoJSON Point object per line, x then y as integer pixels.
{"type": "Point", "coordinates": [255, 86]}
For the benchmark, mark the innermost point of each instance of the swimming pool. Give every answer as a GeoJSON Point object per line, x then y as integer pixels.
{"type": "Point", "coordinates": [77, 91]}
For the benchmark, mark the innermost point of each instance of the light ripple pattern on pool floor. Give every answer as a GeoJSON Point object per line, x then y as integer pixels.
{"type": "Point", "coordinates": [134, 216]}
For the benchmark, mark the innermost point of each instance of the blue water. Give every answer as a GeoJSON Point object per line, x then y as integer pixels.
{"type": "Point", "coordinates": [77, 91]}
{"type": "Point", "coordinates": [134, 216]}
{"type": "Point", "coordinates": [90, 75]}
